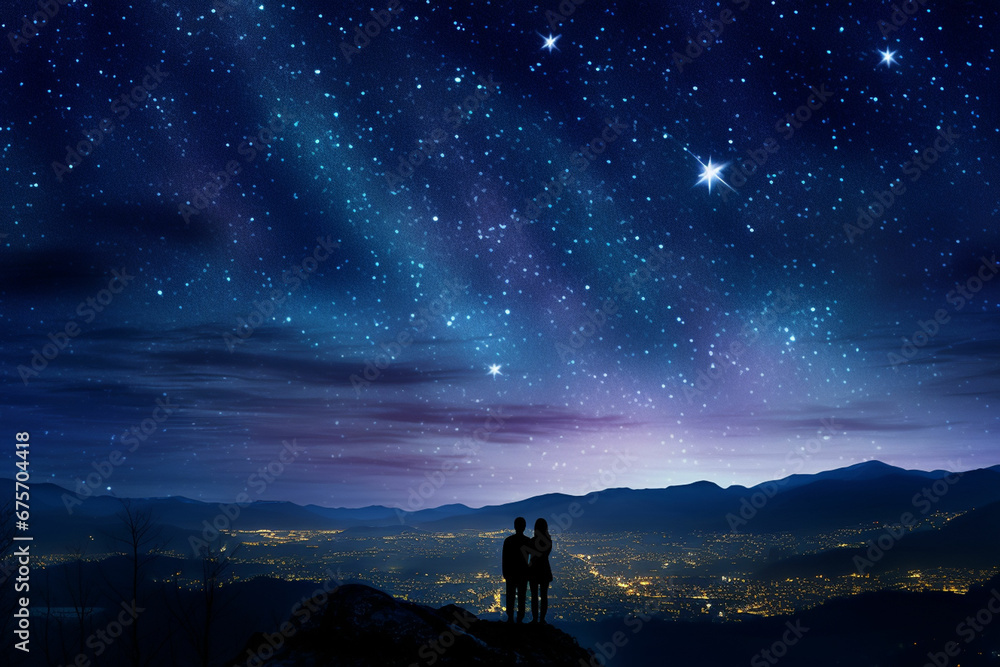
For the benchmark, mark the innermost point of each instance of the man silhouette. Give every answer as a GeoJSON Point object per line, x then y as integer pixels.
{"type": "Point", "coordinates": [515, 568]}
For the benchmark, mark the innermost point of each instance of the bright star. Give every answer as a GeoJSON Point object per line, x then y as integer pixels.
{"type": "Point", "coordinates": [550, 42]}
{"type": "Point", "coordinates": [711, 173]}
{"type": "Point", "coordinates": [495, 370]}
{"type": "Point", "coordinates": [887, 57]}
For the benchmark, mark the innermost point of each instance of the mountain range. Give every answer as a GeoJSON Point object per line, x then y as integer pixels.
{"type": "Point", "coordinates": [867, 493]}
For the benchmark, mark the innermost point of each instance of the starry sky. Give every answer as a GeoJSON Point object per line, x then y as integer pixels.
{"type": "Point", "coordinates": [490, 251]}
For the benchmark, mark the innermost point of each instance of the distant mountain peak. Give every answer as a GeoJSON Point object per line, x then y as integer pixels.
{"type": "Point", "coordinates": [874, 468]}
{"type": "Point", "coordinates": [701, 484]}
{"type": "Point", "coordinates": [873, 465]}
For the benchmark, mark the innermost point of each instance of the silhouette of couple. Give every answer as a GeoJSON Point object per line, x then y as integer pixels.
{"type": "Point", "coordinates": [526, 560]}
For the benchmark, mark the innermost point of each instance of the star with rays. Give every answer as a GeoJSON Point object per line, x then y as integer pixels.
{"type": "Point", "coordinates": [494, 370]}
{"type": "Point", "coordinates": [712, 172]}
{"type": "Point", "coordinates": [550, 42]}
{"type": "Point", "coordinates": [888, 57]}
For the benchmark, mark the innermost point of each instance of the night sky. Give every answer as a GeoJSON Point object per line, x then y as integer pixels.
{"type": "Point", "coordinates": [381, 292]}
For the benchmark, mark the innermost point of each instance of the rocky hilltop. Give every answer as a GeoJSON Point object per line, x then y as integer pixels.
{"type": "Point", "coordinates": [359, 626]}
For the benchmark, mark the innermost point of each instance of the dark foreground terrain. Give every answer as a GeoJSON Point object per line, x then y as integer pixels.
{"type": "Point", "coordinates": [359, 626]}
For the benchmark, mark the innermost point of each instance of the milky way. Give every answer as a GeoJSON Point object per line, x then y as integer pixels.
{"type": "Point", "coordinates": [498, 249]}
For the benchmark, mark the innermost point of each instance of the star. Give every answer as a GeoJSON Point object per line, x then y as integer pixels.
{"type": "Point", "coordinates": [887, 57]}
{"type": "Point", "coordinates": [550, 42]}
{"type": "Point", "coordinates": [711, 173]}
{"type": "Point", "coordinates": [495, 370]}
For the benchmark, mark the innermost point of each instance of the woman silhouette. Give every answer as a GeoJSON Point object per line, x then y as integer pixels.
{"type": "Point", "coordinates": [539, 571]}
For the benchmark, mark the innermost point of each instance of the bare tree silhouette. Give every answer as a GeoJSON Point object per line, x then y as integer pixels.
{"type": "Point", "coordinates": [83, 594]}
{"type": "Point", "coordinates": [198, 617]}
{"type": "Point", "coordinates": [82, 591]}
{"type": "Point", "coordinates": [140, 543]}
